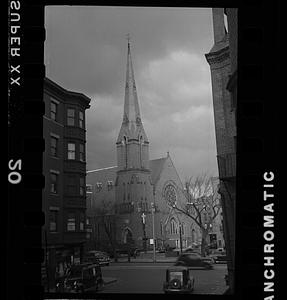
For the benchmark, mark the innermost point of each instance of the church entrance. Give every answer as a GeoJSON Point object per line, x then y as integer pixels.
{"type": "Point", "coordinates": [128, 236]}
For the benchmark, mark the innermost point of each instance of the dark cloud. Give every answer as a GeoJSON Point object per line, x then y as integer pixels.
{"type": "Point", "coordinates": [85, 51]}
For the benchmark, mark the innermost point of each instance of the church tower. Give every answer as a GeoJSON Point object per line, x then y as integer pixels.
{"type": "Point", "coordinates": [132, 142]}
{"type": "Point", "coordinates": [134, 190]}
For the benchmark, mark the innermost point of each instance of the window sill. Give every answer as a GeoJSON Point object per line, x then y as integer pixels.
{"type": "Point", "coordinates": [73, 126]}
{"type": "Point", "coordinates": [55, 157]}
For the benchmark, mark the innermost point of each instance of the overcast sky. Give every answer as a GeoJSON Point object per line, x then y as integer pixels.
{"type": "Point", "coordinates": [86, 51]}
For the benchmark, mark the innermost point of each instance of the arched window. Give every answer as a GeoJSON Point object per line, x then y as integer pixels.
{"type": "Point", "coordinates": [182, 228]}
{"type": "Point", "coordinates": [173, 226]}
{"type": "Point", "coordinates": [193, 235]}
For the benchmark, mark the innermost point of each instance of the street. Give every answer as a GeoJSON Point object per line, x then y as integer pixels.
{"type": "Point", "coordinates": [149, 278]}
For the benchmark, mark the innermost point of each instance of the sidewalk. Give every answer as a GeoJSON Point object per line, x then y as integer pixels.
{"type": "Point", "coordinates": [147, 258]}
{"type": "Point", "coordinates": [108, 280]}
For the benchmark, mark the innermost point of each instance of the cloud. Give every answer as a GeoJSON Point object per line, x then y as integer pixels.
{"type": "Point", "coordinates": [86, 50]}
{"type": "Point", "coordinates": [174, 83]}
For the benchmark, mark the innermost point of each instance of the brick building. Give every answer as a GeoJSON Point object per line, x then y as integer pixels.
{"type": "Point", "coordinates": [64, 168]}
{"type": "Point", "coordinates": [222, 59]}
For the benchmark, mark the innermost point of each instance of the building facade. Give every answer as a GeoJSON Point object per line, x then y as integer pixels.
{"type": "Point", "coordinates": [222, 59]}
{"type": "Point", "coordinates": [64, 168]}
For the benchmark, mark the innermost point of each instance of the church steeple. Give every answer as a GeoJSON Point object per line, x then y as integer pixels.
{"type": "Point", "coordinates": [131, 107]}
{"type": "Point", "coordinates": [132, 142]}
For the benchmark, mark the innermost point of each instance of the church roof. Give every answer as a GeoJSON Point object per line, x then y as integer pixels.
{"type": "Point", "coordinates": [156, 166]}
{"type": "Point", "coordinates": [104, 175]}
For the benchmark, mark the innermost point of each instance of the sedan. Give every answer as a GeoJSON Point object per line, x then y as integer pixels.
{"type": "Point", "coordinates": [193, 260]}
{"type": "Point", "coordinates": [219, 257]}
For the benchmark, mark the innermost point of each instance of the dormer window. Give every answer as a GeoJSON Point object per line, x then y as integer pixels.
{"type": "Point", "coordinates": [99, 186]}
{"type": "Point", "coordinates": [110, 185]}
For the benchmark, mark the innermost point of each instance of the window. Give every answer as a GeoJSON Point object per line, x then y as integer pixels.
{"type": "Point", "coordinates": [89, 188]}
{"type": "Point", "coordinates": [82, 186]}
{"type": "Point", "coordinates": [170, 194]}
{"type": "Point", "coordinates": [110, 185]}
{"type": "Point", "coordinates": [54, 183]}
{"type": "Point", "coordinates": [82, 152]}
{"type": "Point", "coordinates": [82, 221]}
{"type": "Point", "coordinates": [54, 146]}
{"type": "Point", "coordinates": [71, 222]}
{"type": "Point", "coordinates": [53, 110]}
{"type": "Point", "coordinates": [173, 227]}
{"type": "Point", "coordinates": [71, 151]}
{"type": "Point", "coordinates": [71, 117]}
{"type": "Point", "coordinates": [53, 221]}
{"type": "Point", "coordinates": [81, 119]}
{"type": "Point", "coordinates": [99, 186]}
{"type": "Point", "coordinates": [182, 228]}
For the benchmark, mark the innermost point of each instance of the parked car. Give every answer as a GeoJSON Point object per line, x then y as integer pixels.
{"type": "Point", "coordinates": [81, 278]}
{"type": "Point", "coordinates": [134, 251]}
{"type": "Point", "coordinates": [178, 280]}
{"type": "Point", "coordinates": [194, 260]}
{"type": "Point", "coordinates": [218, 256]}
{"type": "Point", "coordinates": [161, 250]}
{"type": "Point", "coordinates": [100, 257]}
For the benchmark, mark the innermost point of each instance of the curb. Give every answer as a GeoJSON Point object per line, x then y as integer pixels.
{"type": "Point", "coordinates": [108, 280]}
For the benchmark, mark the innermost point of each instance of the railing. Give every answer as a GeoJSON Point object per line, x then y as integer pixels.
{"type": "Point", "coordinates": [226, 165]}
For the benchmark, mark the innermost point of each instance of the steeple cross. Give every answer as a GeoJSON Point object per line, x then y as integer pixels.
{"type": "Point", "coordinates": [143, 217]}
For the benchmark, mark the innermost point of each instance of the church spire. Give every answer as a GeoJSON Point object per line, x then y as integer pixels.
{"type": "Point", "coordinates": [131, 106]}
{"type": "Point", "coordinates": [132, 142]}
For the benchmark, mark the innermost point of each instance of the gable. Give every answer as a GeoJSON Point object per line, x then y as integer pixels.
{"type": "Point", "coordinates": [156, 167]}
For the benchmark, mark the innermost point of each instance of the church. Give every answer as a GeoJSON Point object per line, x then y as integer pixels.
{"type": "Point", "coordinates": [132, 201]}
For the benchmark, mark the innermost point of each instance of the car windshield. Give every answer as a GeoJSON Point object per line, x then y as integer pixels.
{"type": "Point", "coordinates": [175, 275]}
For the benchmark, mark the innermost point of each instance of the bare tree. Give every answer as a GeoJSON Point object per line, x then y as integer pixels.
{"type": "Point", "coordinates": [201, 204]}
{"type": "Point", "coordinates": [106, 218]}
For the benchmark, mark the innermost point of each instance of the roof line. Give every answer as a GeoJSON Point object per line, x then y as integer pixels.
{"type": "Point", "coordinates": [102, 169]}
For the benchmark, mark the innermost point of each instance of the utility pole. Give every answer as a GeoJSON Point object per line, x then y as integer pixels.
{"type": "Point", "coordinates": [153, 233]}
{"type": "Point", "coordinates": [180, 237]}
